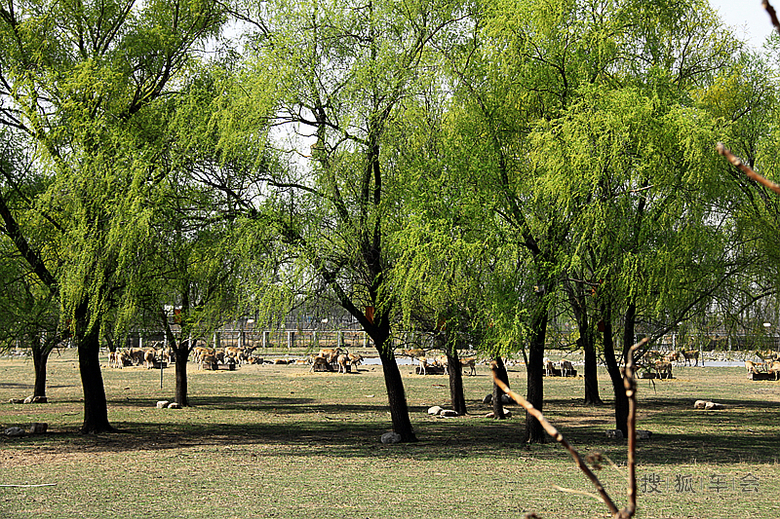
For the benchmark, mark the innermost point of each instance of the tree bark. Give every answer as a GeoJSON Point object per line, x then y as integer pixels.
{"type": "Point", "coordinates": [621, 400]}
{"type": "Point", "coordinates": [182, 352]}
{"type": "Point", "coordinates": [40, 354]}
{"type": "Point", "coordinates": [498, 393]}
{"type": "Point", "coordinates": [590, 369]}
{"type": "Point", "coordinates": [396, 396]}
{"type": "Point", "coordinates": [88, 343]}
{"type": "Point", "coordinates": [457, 399]}
{"type": "Point", "coordinates": [578, 297]}
{"type": "Point", "coordinates": [534, 432]}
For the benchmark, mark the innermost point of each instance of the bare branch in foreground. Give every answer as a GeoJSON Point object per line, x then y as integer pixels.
{"type": "Point", "coordinates": [630, 385]}
{"type": "Point", "coordinates": [752, 175]}
{"type": "Point", "coordinates": [772, 14]}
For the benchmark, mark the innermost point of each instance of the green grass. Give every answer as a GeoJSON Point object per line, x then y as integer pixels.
{"type": "Point", "coordinates": [275, 441]}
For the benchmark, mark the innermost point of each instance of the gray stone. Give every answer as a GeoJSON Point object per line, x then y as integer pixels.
{"type": "Point", "coordinates": [162, 404]}
{"type": "Point", "coordinates": [14, 431]}
{"type": "Point", "coordinates": [643, 435]}
{"type": "Point", "coordinates": [435, 410]}
{"type": "Point", "coordinates": [391, 437]}
{"type": "Point", "coordinates": [38, 428]}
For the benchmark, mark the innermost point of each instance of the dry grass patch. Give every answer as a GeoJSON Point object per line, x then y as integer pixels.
{"type": "Point", "coordinates": [276, 441]}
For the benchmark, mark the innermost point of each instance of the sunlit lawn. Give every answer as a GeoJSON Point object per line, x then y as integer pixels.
{"type": "Point", "coordinates": [276, 441]}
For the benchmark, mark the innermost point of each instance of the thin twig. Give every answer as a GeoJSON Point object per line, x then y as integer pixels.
{"type": "Point", "coordinates": [772, 15]}
{"type": "Point", "coordinates": [752, 175]}
{"type": "Point", "coordinates": [560, 439]}
{"type": "Point", "coordinates": [578, 492]}
{"type": "Point", "coordinates": [629, 382]}
{"type": "Point", "coordinates": [28, 486]}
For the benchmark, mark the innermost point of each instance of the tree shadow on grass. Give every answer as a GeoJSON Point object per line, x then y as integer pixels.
{"type": "Point", "coordinates": [743, 432]}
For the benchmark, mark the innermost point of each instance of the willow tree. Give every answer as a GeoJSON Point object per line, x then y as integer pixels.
{"type": "Point", "coordinates": [340, 71]}
{"type": "Point", "coordinates": [744, 99]}
{"type": "Point", "coordinates": [83, 80]}
{"type": "Point", "coordinates": [523, 65]}
{"type": "Point", "coordinates": [650, 232]}
{"type": "Point", "coordinates": [194, 261]}
{"type": "Point", "coordinates": [530, 63]}
{"type": "Point", "coordinates": [29, 307]}
{"type": "Point", "coordinates": [29, 312]}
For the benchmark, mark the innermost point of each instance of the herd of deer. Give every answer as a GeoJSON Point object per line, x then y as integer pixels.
{"type": "Point", "coordinates": [439, 363]}
{"type": "Point", "coordinates": [149, 357]}
{"type": "Point", "coordinates": [770, 364]}
{"type": "Point", "coordinates": [328, 357]}
{"type": "Point", "coordinates": [203, 356]}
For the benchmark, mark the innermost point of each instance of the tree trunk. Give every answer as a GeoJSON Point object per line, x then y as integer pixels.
{"type": "Point", "coordinates": [181, 351]}
{"type": "Point", "coordinates": [578, 298]}
{"type": "Point", "coordinates": [534, 432]}
{"type": "Point", "coordinates": [503, 376]}
{"type": "Point", "coordinates": [590, 369]}
{"type": "Point", "coordinates": [95, 405]}
{"type": "Point", "coordinates": [396, 397]}
{"type": "Point", "coordinates": [457, 399]}
{"type": "Point", "coordinates": [621, 400]}
{"type": "Point", "coordinates": [629, 330]}
{"type": "Point", "coordinates": [40, 354]}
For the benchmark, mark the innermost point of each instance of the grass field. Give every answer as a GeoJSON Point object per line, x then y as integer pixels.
{"type": "Point", "coordinates": [276, 441]}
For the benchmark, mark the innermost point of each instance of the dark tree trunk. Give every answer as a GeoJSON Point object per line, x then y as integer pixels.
{"type": "Point", "coordinates": [498, 394]}
{"type": "Point", "coordinates": [181, 351]}
{"type": "Point", "coordinates": [457, 399]}
{"type": "Point", "coordinates": [534, 432]}
{"type": "Point", "coordinates": [621, 400]}
{"type": "Point", "coordinates": [590, 369]}
{"type": "Point", "coordinates": [95, 405]}
{"type": "Point", "coordinates": [629, 330]}
{"type": "Point", "coordinates": [396, 396]}
{"type": "Point", "coordinates": [40, 356]}
{"type": "Point", "coordinates": [578, 297]}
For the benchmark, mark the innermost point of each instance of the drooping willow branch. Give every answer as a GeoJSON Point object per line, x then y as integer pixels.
{"type": "Point", "coordinates": [752, 175]}
{"type": "Point", "coordinates": [629, 382]}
